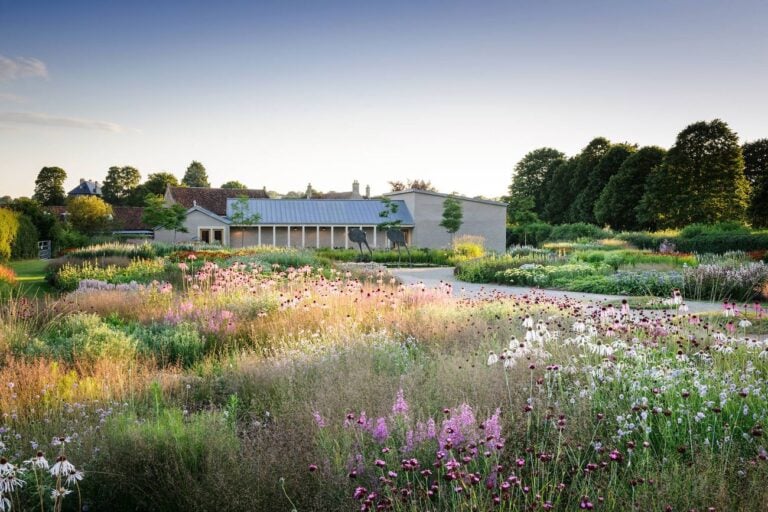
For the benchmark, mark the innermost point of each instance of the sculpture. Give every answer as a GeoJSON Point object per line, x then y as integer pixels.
{"type": "Point", "coordinates": [397, 237]}
{"type": "Point", "coordinates": [357, 236]}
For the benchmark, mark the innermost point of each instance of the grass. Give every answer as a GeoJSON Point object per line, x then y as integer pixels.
{"type": "Point", "coordinates": [31, 277]}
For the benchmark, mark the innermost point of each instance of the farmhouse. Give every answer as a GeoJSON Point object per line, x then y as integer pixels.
{"type": "Point", "coordinates": [244, 218]}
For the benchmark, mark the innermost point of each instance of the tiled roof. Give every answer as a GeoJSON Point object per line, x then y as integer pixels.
{"type": "Point", "coordinates": [213, 199]}
{"type": "Point", "coordinates": [324, 212]}
{"type": "Point", "coordinates": [125, 218]}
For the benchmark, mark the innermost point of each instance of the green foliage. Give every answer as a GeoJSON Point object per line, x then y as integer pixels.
{"type": "Point", "coordinates": [485, 270]}
{"type": "Point", "coordinates": [195, 176]}
{"type": "Point", "coordinates": [89, 214]}
{"type": "Point", "coordinates": [160, 215]}
{"type": "Point", "coordinates": [24, 245]}
{"type": "Point", "coordinates": [756, 172]}
{"type": "Point", "coordinates": [9, 227]}
{"type": "Point", "coordinates": [606, 168]}
{"type": "Point", "coordinates": [390, 208]}
{"type": "Point", "coordinates": [241, 214]}
{"type": "Point", "coordinates": [179, 344]}
{"type": "Point", "coordinates": [419, 256]}
{"type": "Point", "coordinates": [560, 193]}
{"type": "Point", "coordinates": [534, 234]}
{"type": "Point", "coordinates": [452, 215]}
{"type": "Point", "coordinates": [468, 247]}
{"type": "Point", "coordinates": [578, 231]}
{"type": "Point", "coordinates": [579, 206]}
{"type": "Point", "coordinates": [616, 206]}
{"type": "Point", "coordinates": [84, 338]}
{"type": "Point", "coordinates": [68, 277]}
{"type": "Point", "coordinates": [144, 251]}
{"type": "Point", "coordinates": [235, 185]}
{"type": "Point", "coordinates": [119, 184]}
{"type": "Point", "coordinates": [49, 186]}
{"type": "Point", "coordinates": [701, 179]}
{"type": "Point", "coordinates": [530, 180]}
{"type": "Point", "coordinates": [157, 182]}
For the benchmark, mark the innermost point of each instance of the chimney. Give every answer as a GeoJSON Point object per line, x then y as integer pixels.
{"type": "Point", "coordinates": [309, 191]}
{"type": "Point", "coordinates": [355, 189]}
{"type": "Point", "coordinates": [367, 191]}
{"type": "Point", "coordinates": [82, 180]}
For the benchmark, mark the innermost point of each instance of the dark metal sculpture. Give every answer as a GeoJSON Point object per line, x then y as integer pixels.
{"type": "Point", "coordinates": [357, 235]}
{"type": "Point", "coordinates": [397, 237]}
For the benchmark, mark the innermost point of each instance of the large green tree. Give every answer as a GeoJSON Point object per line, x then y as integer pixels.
{"type": "Point", "coordinates": [158, 181]}
{"type": "Point", "coordinates": [580, 209]}
{"type": "Point", "coordinates": [530, 179]}
{"type": "Point", "coordinates": [453, 215]}
{"type": "Point", "coordinates": [195, 176]}
{"type": "Point", "coordinates": [89, 214]}
{"type": "Point", "coordinates": [49, 186]}
{"type": "Point", "coordinates": [756, 171]}
{"type": "Point", "coordinates": [607, 167]}
{"type": "Point", "coordinates": [47, 225]}
{"type": "Point", "coordinates": [559, 192]}
{"type": "Point", "coordinates": [160, 215]}
{"type": "Point", "coordinates": [621, 196]}
{"type": "Point", "coordinates": [120, 184]}
{"type": "Point", "coordinates": [701, 180]}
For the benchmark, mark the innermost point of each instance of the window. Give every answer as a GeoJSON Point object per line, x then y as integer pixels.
{"type": "Point", "coordinates": [211, 235]}
{"type": "Point", "coordinates": [205, 236]}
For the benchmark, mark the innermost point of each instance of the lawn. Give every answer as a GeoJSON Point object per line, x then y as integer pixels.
{"type": "Point", "coordinates": [31, 277]}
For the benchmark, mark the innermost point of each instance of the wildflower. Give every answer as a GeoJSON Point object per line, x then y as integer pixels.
{"type": "Point", "coordinates": [400, 407]}
{"type": "Point", "coordinates": [492, 358]}
{"type": "Point", "coordinates": [381, 432]}
{"type": "Point", "coordinates": [63, 467]}
{"type": "Point", "coordinates": [319, 420]}
{"type": "Point", "coordinates": [59, 493]}
{"type": "Point", "coordinates": [74, 477]}
{"type": "Point", "coordinates": [38, 462]}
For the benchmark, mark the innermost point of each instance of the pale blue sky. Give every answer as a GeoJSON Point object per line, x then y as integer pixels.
{"type": "Point", "coordinates": [281, 93]}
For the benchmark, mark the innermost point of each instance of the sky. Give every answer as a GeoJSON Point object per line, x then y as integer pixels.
{"type": "Point", "coordinates": [280, 93]}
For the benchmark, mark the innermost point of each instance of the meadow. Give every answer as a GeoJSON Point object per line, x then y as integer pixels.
{"type": "Point", "coordinates": [278, 380]}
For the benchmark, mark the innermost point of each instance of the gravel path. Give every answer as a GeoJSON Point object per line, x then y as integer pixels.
{"type": "Point", "coordinates": [433, 277]}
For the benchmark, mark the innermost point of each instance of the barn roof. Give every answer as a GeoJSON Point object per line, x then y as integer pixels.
{"type": "Point", "coordinates": [212, 199]}
{"type": "Point", "coordinates": [324, 212]}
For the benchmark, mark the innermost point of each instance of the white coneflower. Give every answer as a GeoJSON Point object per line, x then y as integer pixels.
{"type": "Point", "coordinates": [579, 327]}
{"type": "Point", "coordinates": [38, 461]}
{"type": "Point", "coordinates": [513, 343]}
{"type": "Point", "coordinates": [492, 358]}
{"type": "Point", "coordinates": [62, 468]}
{"type": "Point", "coordinates": [5, 503]}
{"type": "Point", "coordinates": [74, 477]}
{"type": "Point", "coordinates": [745, 323]}
{"type": "Point", "coordinates": [530, 336]}
{"type": "Point", "coordinates": [59, 493]}
{"type": "Point", "coordinates": [9, 482]}
{"type": "Point", "coordinates": [528, 322]}
{"type": "Point", "coordinates": [683, 308]}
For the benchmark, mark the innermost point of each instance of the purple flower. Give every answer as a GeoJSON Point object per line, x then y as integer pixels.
{"type": "Point", "coordinates": [400, 407]}
{"type": "Point", "coordinates": [318, 419]}
{"type": "Point", "coordinates": [381, 432]}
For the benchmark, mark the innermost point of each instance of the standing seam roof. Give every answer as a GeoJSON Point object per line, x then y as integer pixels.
{"type": "Point", "coordinates": [328, 212]}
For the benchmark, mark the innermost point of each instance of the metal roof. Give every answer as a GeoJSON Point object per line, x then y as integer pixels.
{"type": "Point", "coordinates": [323, 212]}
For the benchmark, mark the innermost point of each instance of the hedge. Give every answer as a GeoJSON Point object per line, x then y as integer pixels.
{"type": "Point", "coordinates": [24, 246]}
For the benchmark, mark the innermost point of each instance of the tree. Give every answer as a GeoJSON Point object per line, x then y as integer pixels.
{"type": "Point", "coordinates": [608, 166]}
{"type": "Point", "coordinates": [159, 215]}
{"type": "Point", "coordinates": [452, 215]}
{"type": "Point", "coordinates": [701, 179]}
{"type": "Point", "coordinates": [242, 216]}
{"type": "Point", "coordinates": [417, 184]}
{"type": "Point", "coordinates": [49, 186]}
{"type": "Point", "coordinates": [89, 214]}
{"type": "Point", "coordinates": [235, 185]}
{"type": "Point", "coordinates": [580, 209]}
{"type": "Point", "coordinates": [619, 200]}
{"type": "Point", "coordinates": [9, 228]}
{"type": "Point", "coordinates": [756, 172]}
{"type": "Point", "coordinates": [559, 192]}
{"type": "Point", "coordinates": [157, 182]}
{"type": "Point", "coordinates": [195, 176]}
{"type": "Point", "coordinates": [390, 209]}
{"type": "Point", "coordinates": [48, 227]}
{"type": "Point", "coordinates": [531, 177]}
{"type": "Point", "coordinates": [119, 184]}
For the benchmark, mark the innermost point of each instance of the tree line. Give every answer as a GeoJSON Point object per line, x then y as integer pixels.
{"type": "Point", "coordinates": [705, 177]}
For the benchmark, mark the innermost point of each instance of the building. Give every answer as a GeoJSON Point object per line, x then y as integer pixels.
{"type": "Point", "coordinates": [86, 188]}
{"type": "Point", "coordinates": [245, 221]}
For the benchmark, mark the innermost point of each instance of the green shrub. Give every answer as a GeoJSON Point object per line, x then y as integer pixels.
{"type": "Point", "coordinates": [84, 338]}
{"type": "Point", "coordinates": [577, 231]}
{"type": "Point", "coordinates": [557, 276]}
{"type": "Point", "coordinates": [419, 256]}
{"type": "Point", "coordinates": [528, 234]}
{"type": "Point", "coordinates": [24, 246]}
{"type": "Point", "coordinates": [485, 270]}
{"type": "Point", "coordinates": [170, 345]}
{"type": "Point", "coordinates": [9, 226]}
{"type": "Point", "coordinates": [694, 230]}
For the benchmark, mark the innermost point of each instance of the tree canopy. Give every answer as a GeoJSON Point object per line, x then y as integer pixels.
{"type": "Point", "coordinates": [617, 204]}
{"type": "Point", "coordinates": [531, 178]}
{"type": "Point", "coordinates": [49, 186]}
{"type": "Point", "coordinates": [235, 185]}
{"type": "Point", "coordinates": [701, 179]}
{"type": "Point", "coordinates": [158, 181]}
{"type": "Point", "coordinates": [89, 214]}
{"type": "Point", "coordinates": [195, 176]}
{"type": "Point", "coordinates": [160, 215]}
{"type": "Point", "coordinates": [756, 172]}
{"type": "Point", "coordinates": [601, 173]}
{"type": "Point", "coordinates": [120, 184]}
{"type": "Point", "coordinates": [417, 184]}
{"type": "Point", "coordinates": [580, 209]}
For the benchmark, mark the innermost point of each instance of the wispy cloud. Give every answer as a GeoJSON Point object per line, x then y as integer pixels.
{"type": "Point", "coordinates": [39, 119]}
{"type": "Point", "coordinates": [12, 98]}
{"type": "Point", "coordinates": [21, 67]}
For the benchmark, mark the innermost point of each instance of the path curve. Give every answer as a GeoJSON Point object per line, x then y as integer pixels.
{"type": "Point", "coordinates": [434, 276]}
